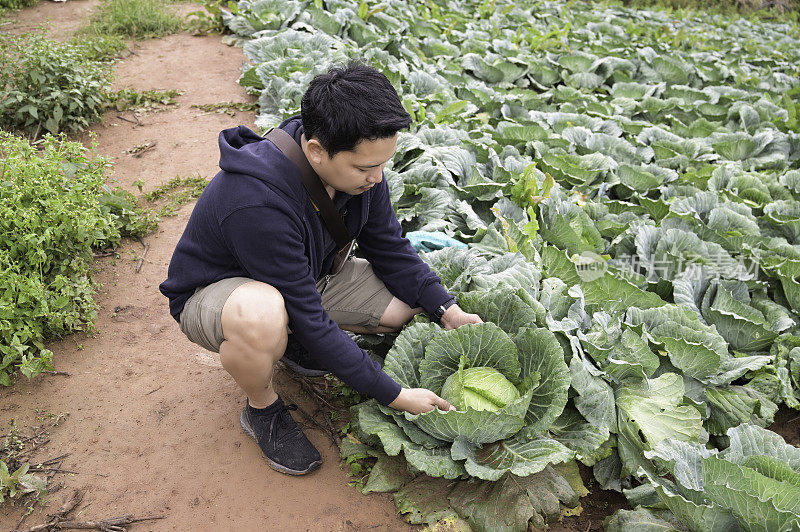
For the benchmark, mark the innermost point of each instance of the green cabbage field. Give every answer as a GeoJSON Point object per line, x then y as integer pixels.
{"type": "Point", "coordinates": [628, 183]}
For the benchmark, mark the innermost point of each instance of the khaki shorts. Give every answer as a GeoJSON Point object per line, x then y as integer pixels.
{"type": "Point", "coordinates": [354, 296]}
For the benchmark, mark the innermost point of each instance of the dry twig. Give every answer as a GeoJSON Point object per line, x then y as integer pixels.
{"type": "Point", "coordinates": [35, 136]}
{"type": "Point", "coordinates": [313, 391]}
{"type": "Point", "coordinates": [67, 507]}
{"type": "Point", "coordinates": [36, 469]}
{"type": "Point", "coordinates": [311, 419]}
{"type": "Point", "coordinates": [140, 149]}
{"type": "Point", "coordinates": [51, 372]}
{"type": "Point", "coordinates": [144, 254]}
{"type": "Point", "coordinates": [131, 121]}
{"type": "Point", "coordinates": [53, 460]}
{"type": "Point", "coordinates": [113, 524]}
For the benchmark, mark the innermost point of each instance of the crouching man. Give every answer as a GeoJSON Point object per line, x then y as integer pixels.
{"type": "Point", "coordinates": [255, 260]}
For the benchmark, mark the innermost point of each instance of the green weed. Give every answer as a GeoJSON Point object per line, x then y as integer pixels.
{"type": "Point", "coordinates": [131, 220]}
{"type": "Point", "coordinates": [55, 209]}
{"type": "Point", "coordinates": [16, 4]}
{"type": "Point", "coordinates": [15, 479]}
{"type": "Point", "coordinates": [177, 191]}
{"type": "Point", "coordinates": [18, 482]}
{"type": "Point", "coordinates": [49, 86]}
{"type": "Point", "coordinates": [359, 466]}
{"type": "Point", "coordinates": [209, 19]}
{"type": "Point", "coordinates": [130, 99]}
{"type": "Point", "coordinates": [19, 477]}
{"type": "Point", "coordinates": [229, 108]}
{"type": "Point", "coordinates": [100, 48]}
{"type": "Point", "coordinates": [139, 19]}
{"type": "Point", "coordinates": [341, 391]}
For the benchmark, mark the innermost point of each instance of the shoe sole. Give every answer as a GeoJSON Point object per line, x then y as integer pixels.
{"type": "Point", "coordinates": [275, 465]}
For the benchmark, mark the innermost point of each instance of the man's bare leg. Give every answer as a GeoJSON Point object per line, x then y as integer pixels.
{"type": "Point", "coordinates": [394, 317]}
{"type": "Point", "coordinates": [254, 322]}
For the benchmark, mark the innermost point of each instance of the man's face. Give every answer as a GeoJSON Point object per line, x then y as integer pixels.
{"type": "Point", "coordinates": [353, 171]}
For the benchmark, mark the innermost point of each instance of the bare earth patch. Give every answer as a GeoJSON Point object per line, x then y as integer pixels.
{"type": "Point", "coordinates": [57, 19]}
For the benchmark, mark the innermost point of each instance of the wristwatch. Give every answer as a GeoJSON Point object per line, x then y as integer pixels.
{"type": "Point", "coordinates": [440, 310]}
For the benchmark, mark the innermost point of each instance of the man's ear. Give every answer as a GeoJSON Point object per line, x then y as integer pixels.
{"type": "Point", "coordinates": [316, 152]}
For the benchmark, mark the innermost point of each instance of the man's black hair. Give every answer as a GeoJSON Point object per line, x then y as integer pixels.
{"type": "Point", "coordinates": [350, 104]}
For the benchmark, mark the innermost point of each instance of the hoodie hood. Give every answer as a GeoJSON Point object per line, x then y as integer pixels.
{"type": "Point", "coordinates": [244, 152]}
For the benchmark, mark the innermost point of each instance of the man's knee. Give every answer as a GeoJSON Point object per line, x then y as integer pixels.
{"type": "Point", "coordinates": [256, 315]}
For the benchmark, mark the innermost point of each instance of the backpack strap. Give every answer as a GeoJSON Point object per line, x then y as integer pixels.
{"type": "Point", "coordinates": [314, 188]}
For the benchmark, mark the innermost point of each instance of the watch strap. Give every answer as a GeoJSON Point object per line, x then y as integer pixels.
{"type": "Point", "coordinates": [441, 309]}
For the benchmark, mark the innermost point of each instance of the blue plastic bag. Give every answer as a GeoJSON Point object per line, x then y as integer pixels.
{"type": "Point", "coordinates": [429, 241]}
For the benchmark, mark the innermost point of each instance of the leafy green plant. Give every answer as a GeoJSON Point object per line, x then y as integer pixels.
{"type": "Point", "coordinates": [19, 482]}
{"type": "Point", "coordinates": [130, 219]}
{"type": "Point", "coordinates": [22, 479]}
{"type": "Point", "coordinates": [359, 466]}
{"type": "Point", "coordinates": [48, 86]}
{"type": "Point", "coordinates": [229, 108]}
{"type": "Point", "coordinates": [16, 478]}
{"type": "Point", "coordinates": [55, 208]}
{"type": "Point", "coordinates": [724, 7]}
{"type": "Point", "coordinates": [631, 175]}
{"type": "Point", "coordinates": [16, 4]}
{"type": "Point", "coordinates": [209, 19]}
{"type": "Point", "coordinates": [754, 484]}
{"type": "Point", "coordinates": [342, 392]}
{"type": "Point", "coordinates": [506, 439]}
{"type": "Point", "coordinates": [177, 191]}
{"type": "Point", "coordinates": [100, 48]}
{"type": "Point", "coordinates": [139, 19]}
{"type": "Point", "coordinates": [131, 99]}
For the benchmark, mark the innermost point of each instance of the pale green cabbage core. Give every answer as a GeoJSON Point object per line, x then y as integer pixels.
{"type": "Point", "coordinates": [479, 388]}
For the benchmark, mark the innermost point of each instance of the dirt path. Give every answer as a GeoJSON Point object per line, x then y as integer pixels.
{"type": "Point", "coordinates": [151, 429]}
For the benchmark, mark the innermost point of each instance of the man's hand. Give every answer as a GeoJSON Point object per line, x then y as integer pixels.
{"type": "Point", "coordinates": [454, 318]}
{"type": "Point", "coordinates": [419, 400]}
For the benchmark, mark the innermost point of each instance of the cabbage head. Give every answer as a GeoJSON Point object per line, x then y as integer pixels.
{"type": "Point", "coordinates": [506, 377]}
{"type": "Point", "coordinates": [478, 388]}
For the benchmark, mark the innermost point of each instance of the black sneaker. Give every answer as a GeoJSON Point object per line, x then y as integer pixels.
{"type": "Point", "coordinates": [300, 361]}
{"type": "Point", "coordinates": [283, 443]}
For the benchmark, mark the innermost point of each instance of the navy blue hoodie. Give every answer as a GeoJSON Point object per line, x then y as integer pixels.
{"type": "Point", "coordinates": [254, 220]}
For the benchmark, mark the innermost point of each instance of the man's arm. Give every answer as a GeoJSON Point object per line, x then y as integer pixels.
{"type": "Point", "coordinates": [399, 266]}
{"type": "Point", "coordinates": [268, 243]}
{"type": "Point", "coordinates": [393, 259]}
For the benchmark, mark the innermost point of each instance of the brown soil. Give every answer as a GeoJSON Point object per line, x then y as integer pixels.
{"type": "Point", "coordinates": [787, 424]}
{"type": "Point", "coordinates": [58, 20]}
{"type": "Point", "coordinates": [153, 422]}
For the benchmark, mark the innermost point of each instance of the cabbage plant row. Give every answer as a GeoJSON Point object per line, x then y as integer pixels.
{"type": "Point", "coordinates": [628, 185]}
